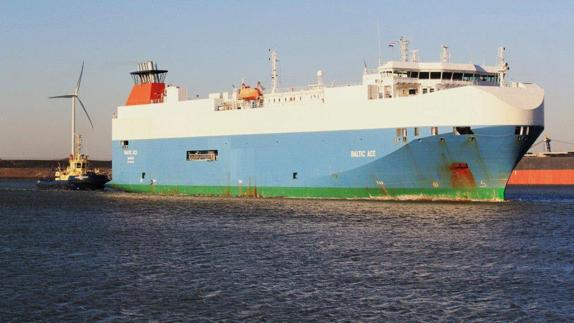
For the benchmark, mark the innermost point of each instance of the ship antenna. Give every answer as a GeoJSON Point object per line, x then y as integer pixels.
{"type": "Point", "coordinates": [75, 96]}
{"type": "Point", "coordinates": [404, 42]}
{"type": "Point", "coordinates": [415, 55]}
{"type": "Point", "coordinates": [444, 54]}
{"type": "Point", "coordinates": [502, 66]}
{"type": "Point", "coordinates": [274, 70]}
{"type": "Point", "coordinates": [379, 43]}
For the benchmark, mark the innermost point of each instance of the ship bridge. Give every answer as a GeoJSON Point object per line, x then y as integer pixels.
{"type": "Point", "coordinates": [397, 79]}
{"type": "Point", "coordinates": [411, 77]}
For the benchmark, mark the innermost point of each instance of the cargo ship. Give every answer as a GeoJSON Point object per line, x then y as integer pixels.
{"type": "Point", "coordinates": [544, 168]}
{"type": "Point", "coordinates": [410, 130]}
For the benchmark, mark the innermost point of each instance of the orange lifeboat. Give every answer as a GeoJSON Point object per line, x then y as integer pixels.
{"type": "Point", "coordinates": [249, 94]}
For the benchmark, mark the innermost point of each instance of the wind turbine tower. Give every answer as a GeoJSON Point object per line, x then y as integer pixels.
{"type": "Point", "coordinates": [75, 149]}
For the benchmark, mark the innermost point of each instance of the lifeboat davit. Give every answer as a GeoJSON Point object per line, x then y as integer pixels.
{"type": "Point", "coordinates": [249, 94]}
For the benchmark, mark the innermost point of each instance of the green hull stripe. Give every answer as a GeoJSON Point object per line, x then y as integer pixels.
{"type": "Point", "coordinates": [482, 194]}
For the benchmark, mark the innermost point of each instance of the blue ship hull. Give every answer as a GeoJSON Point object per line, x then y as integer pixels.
{"type": "Point", "coordinates": [338, 164]}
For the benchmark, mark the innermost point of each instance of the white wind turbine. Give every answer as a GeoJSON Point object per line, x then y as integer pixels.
{"type": "Point", "coordinates": [74, 96]}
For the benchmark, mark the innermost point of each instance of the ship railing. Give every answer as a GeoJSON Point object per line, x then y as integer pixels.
{"type": "Point", "coordinates": [296, 97]}
{"type": "Point", "coordinates": [444, 82]}
{"type": "Point", "coordinates": [398, 79]}
{"type": "Point", "coordinates": [447, 84]}
{"type": "Point", "coordinates": [294, 92]}
{"type": "Point", "coordinates": [513, 84]}
{"type": "Point", "coordinates": [226, 105]}
{"type": "Point", "coordinates": [458, 82]}
{"type": "Point", "coordinates": [293, 96]}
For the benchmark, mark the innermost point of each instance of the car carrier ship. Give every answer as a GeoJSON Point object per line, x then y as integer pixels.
{"type": "Point", "coordinates": [410, 130]}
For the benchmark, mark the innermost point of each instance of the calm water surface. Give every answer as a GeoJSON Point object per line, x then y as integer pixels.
{"type": "Point", "coordinates": [117, 256]}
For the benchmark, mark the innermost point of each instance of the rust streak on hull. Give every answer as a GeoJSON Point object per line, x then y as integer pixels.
{"type": "Point", "coordinates": [461, 176]}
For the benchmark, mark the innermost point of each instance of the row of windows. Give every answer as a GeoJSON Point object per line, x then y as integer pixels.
{"type": "Point", "coordinates": [292, 98]}
{"type": "Point", "coordinates": [415, 92]}
{"type": "Point", "coordinates": [402, 133]}
{"type": "Point", "coordinates": [456, 76]}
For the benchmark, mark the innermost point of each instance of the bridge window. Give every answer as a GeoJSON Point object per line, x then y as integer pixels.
{"type": "Point", "coordinates": [414, 74]}
{"type": "Point", "coordinates": [446, 75]}
{"type": "Point", "coordinates": [491, 78]}
{"type": "Point", "coordinates": [468, 77]}
{"type": "Point", "coordinates": [435, 75]}
{"type": "Point", "coordinates": [424, 75]}
{"type": "Point", "coordinates": [462, 131]}
{"type": "Point", "coordinates": [457, 76]}
{"type": "Point", "coordinates": [202, 155]}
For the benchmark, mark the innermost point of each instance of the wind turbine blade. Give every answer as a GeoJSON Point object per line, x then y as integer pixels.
{"type": "Point", "coordinates": [86, 111]}
{"type": "Point", "coordinates": [80, 79]}
{"type": "Point", "coordinates": [67, 96]}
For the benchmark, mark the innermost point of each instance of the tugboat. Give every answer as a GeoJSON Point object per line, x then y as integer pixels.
{"type": "Point", "coordinates": [77, 175]}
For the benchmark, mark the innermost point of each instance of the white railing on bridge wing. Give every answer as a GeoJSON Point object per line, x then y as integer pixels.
{"type": "Point", "coordinates": [399, 79]}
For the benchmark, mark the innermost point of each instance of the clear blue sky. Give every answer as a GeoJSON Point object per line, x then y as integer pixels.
{"type": "Point", "coordinates": [210, 45]}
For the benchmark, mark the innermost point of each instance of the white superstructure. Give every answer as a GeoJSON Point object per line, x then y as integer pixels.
{"type": "Point", "coordinates": [398, 94]}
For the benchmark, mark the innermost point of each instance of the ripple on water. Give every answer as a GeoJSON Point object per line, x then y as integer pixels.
{"type": "Point", "coordinates": [117, 256]}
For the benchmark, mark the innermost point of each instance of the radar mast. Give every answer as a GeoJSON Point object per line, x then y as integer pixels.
{"type": "Point", "coordinates": [502, 66]}
{"type": "Point", "coordinates": [404, 43]}
{"type": "Point", "coordinates": [274, 70]}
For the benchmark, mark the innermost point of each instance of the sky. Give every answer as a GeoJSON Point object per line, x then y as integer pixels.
{"type": "Point", "coordinates": [208, 46]}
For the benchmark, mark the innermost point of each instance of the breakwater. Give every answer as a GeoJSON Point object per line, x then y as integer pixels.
{"type": "Point", "coordinates": [20, 168]}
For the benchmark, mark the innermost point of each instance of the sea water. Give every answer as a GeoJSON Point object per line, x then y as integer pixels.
{"type": "Point", "coordinates": [117, 256]}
